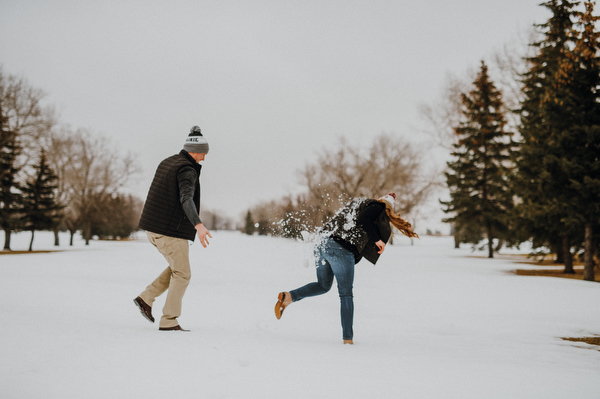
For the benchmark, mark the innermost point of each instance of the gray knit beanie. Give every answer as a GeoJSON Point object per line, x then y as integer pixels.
{"type": "Point", "coordinates": [196, 142]}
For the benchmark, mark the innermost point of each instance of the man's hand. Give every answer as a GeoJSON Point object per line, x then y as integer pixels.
{"type": "Point", "coordinates": [203, 234]}
{"type": "Point", "coordinates": [381, 245]}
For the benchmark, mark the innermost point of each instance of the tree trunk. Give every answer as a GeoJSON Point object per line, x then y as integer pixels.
{"type": "Point", "coordinates": [456, 239]}
{"type": "Point", "coordinates": [490, 243]}
{"type": "Point", "coordinates": [72, 226]}
{"type": "Point", "coordinates": [588, 270]}
{"type": "Point", "coordinates": [499, 246]}
{"type": "Point", "coordinates": [568, 256]}
{"type": "Point", "coordinates": [87, 233]}
{"type": "Point", "coordinates": [7, 239]}
{"type": "Point", "coordinates": [56, 239]}
{"type": "Point", "coordinates": [31, 242]}
{"type": "Point", "coordinates": [558, 248]}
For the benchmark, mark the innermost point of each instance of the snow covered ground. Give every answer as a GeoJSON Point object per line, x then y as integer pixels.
{"type": "Point", "coordinates": [430, 322]}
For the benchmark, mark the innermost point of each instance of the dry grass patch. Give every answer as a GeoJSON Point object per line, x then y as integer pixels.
{"type": "Point", "coordinates": [549, 268]}
{"type": "Point", "coordinates": [578, 275]}
{"type": "Point", "coordinates": [26, 252]}
{"type": "Point", "coordinates": [588, 340]}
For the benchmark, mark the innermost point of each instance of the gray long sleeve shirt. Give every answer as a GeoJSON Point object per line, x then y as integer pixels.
{"type": "Point", "coordinates": [186, 178]}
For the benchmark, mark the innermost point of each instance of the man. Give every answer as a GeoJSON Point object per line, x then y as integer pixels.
{"type": "Point", "coordinates": [170, 218]}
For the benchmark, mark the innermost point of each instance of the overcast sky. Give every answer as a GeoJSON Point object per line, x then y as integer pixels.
{"type": "Point", "coordinates": [270, 82]}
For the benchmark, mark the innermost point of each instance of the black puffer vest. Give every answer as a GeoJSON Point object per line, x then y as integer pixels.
{"type": "Point", "coordinates": [344, 229]}
{"type": "Point", "coordinates": [163, 213]}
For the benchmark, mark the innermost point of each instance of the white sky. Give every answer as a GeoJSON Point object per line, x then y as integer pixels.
{"type": "Point", "coordinates": [270, 82]}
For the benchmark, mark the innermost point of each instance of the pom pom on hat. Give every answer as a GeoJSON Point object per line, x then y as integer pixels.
{"type": "Point", "coordinates": [195, 142]}
{"type": "Point", "coordinates": [389, 199]}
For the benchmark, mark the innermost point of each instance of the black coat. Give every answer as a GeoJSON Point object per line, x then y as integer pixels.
{"type": "Point", "coordinates": [358, 226]}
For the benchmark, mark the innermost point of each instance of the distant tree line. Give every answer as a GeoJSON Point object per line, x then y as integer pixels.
{"type": "Point", "coordinates": [55, 178]}
{"type": "Point", "coordinates": [531, 171]}
{"type": "Point", "coordinates": [344, 172]}
{"type": "Point", "coordinates": [216, 220]}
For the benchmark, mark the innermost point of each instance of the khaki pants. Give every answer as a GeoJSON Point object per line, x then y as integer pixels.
{"type": "Point", "coordinates": [175, 278]}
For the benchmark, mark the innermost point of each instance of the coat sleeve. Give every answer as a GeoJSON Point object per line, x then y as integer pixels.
{"type": "Point", "coordinates": [186, 178]}
{"type": "Point", "coordinates": [367, 217]}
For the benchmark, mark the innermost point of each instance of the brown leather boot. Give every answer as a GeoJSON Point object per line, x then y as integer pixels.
{"type": "Point", "coordinates": [145, 309]}
{"type": "Point", "coordinates": [283, 300]}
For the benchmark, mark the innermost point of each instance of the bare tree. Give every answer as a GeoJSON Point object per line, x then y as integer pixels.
{"type": "Point", "coordinates": [26, 116]}
{"type": "Point", "coordinates": [508, 67]}
{"type": "Point", "coordinates": [441, 116]}
{"type": "Point", "coordinates": [61, 155]}
{"type": "Point", "coordinates": [350, 171]}
{"type": "Point", "coordinates": [93, 172]}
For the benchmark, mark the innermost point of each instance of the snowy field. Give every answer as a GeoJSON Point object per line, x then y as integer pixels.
{"type": "Point", "coordinates": [430, 322]}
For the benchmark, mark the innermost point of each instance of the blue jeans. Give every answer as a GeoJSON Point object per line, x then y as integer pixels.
{"type": "Point", "coordinates": [332, 260]}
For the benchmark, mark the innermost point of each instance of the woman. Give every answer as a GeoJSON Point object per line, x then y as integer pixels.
{"type": "Point", "coordinates": [360, 229]}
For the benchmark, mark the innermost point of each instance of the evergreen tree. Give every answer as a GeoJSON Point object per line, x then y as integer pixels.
{"type": "Point", "coordinates": [578, 82]}
{"type": "Point", "coordinates": [10, 198]}
{"type": "Point", "coordinates": [249, 227]}
{"type": "Point", "coordinates": [478, 177]}
{"type": "Point", "coordinates": [540, 184]}
{"type": "Point", "coordinates": [22, 120]}
{"type": "Point", "coordinates": [39, 199]}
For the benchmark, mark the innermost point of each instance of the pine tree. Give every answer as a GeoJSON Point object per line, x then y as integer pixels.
{"type": "Point", "coordinates": [578, 82]}
{"type": "Point", "coordinates": [249, 227]}
{"type": "Point", "coordinates": [39, 199]}
{"type": "Point", "coordinates": [478, 177]}
{"type": "Point", "coordinates": [10, 198]}
{"type": "Point", "coordinates": [540, 184]}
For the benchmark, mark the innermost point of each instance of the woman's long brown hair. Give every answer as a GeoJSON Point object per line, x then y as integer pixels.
{"type": "Point", "coordinates": [399, 223]}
